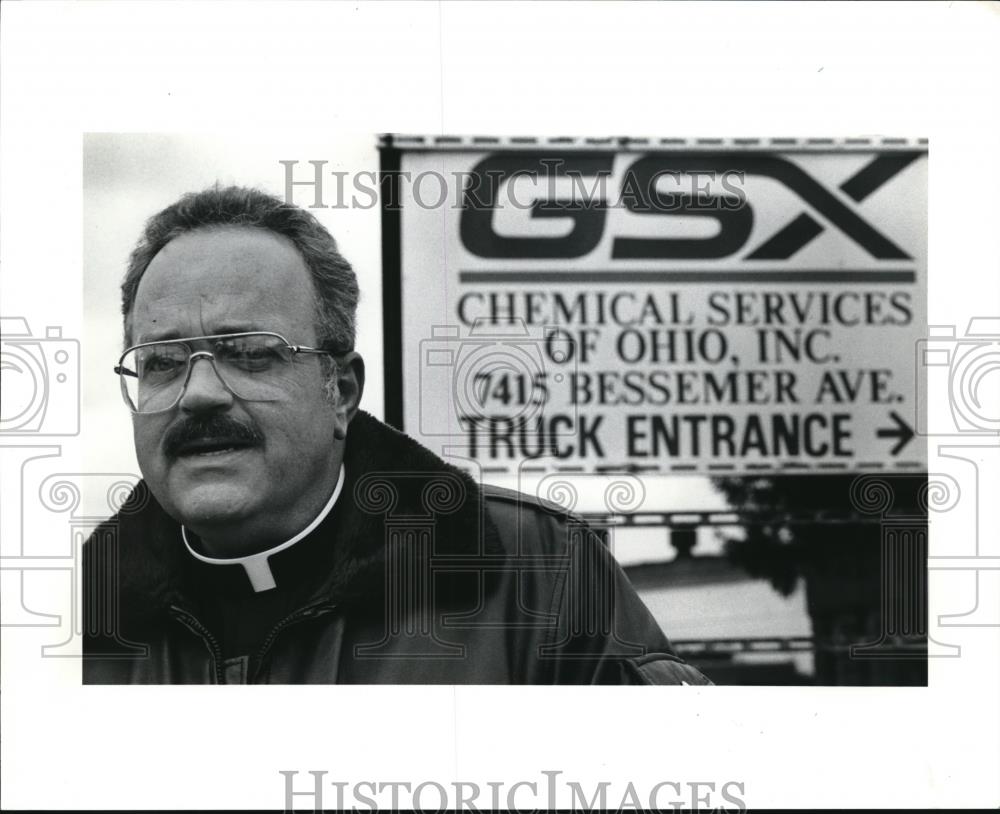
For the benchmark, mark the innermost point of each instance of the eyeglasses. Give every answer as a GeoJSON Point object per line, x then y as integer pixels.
{"type": "Point", "coordinates": [253, 366]}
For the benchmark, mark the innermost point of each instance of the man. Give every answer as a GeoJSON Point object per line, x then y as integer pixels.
{"type": "Point", "coordinates": [282, 535]}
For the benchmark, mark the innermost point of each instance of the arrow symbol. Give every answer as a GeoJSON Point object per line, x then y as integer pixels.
{"type": "Point", "coordinates": [902, 431]}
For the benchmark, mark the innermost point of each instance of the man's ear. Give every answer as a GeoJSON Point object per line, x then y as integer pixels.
{"type": "Point", "coordinates": [350, 386]}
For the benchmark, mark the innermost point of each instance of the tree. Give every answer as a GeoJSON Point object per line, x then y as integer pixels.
{"type": "Point", "coordinates": [828, 531]}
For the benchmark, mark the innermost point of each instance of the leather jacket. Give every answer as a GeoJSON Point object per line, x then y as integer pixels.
{"type": "Point", "coordinates": [419, 576]}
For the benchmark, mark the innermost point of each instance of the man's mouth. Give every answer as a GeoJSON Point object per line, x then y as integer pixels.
{"type": "Point", "coordinates": [201, 437]}
{"type": "Point", "coordinates": [203, 447]}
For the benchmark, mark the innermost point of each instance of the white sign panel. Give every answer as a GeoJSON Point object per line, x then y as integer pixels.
{"type": "Point", "coordinates": [711, 306]}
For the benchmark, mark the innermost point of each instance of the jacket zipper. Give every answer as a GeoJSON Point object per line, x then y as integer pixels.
{"type": "Point", "coordinates": [303, 613]}
{"type": "Point", "coordinates": [192, 623]}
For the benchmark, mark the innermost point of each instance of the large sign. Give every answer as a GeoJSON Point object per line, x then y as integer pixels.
{"type": "Point", "coordinates": [711, 306]}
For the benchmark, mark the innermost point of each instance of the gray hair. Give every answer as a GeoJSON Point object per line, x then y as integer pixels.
{"type": "Point", "coordinates": [332, 276]}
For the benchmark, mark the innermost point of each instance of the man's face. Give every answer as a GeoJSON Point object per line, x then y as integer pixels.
{"type": "Point", "coordinates": [255, 494]}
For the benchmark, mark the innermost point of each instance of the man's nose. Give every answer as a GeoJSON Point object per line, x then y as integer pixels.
{"type": "Point", "coordinates": [204, 389]}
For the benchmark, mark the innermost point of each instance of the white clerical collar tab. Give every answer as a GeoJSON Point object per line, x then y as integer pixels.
{"type": "Point", "coordinates": [257, 566]}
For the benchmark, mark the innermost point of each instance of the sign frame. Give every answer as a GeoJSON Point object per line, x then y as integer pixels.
{"type": "Point", "coordinates": [899, 428]}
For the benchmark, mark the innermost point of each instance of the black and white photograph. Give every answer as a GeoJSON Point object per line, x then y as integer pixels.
{"type": "Point", "coordinates": [593, 436]}
{"type": "Point", "coordinates": [558, 405]}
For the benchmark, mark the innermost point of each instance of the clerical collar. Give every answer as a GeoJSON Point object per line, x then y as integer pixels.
{"type": "Point", "coordinates": [257, 566]}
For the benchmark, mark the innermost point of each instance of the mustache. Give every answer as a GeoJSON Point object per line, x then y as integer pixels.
{"type": "Point", "coordinates": [208, 428]}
